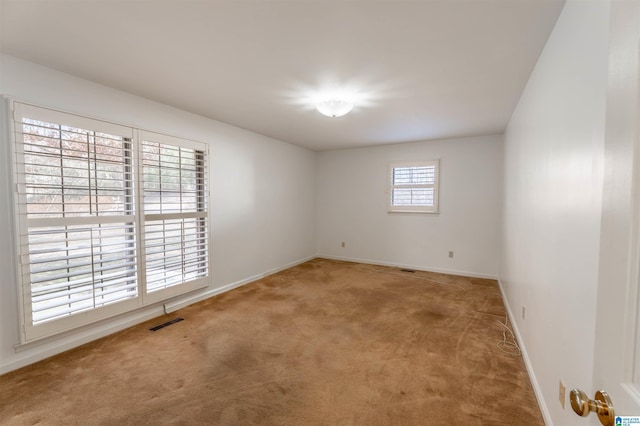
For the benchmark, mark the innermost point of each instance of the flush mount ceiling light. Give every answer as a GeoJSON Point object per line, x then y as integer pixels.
{"type": "Point", "coordinates": [334, 107]}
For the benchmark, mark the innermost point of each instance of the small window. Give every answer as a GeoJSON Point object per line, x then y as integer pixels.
{"type": "Point", "coordinates": [414, 187]}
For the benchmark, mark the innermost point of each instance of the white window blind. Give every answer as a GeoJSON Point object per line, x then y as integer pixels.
{"type": "Point", "coordinates": [77, 220]}
{"type": "Point", "coordinates": [414, 187]}
{"type": "Point", "coordinates": [175, 212]}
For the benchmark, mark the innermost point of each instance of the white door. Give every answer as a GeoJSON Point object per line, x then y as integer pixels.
{"type": "Point", "coordinates": [617, 358]}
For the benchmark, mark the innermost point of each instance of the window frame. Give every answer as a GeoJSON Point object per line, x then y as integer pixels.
{"type": "Point", "coordinates": [30, 332]}
{"type": "Point", "coordinates": [434, 209]}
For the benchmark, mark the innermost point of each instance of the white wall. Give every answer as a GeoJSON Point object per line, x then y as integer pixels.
{"type": "Point", "coordinates": [352, 207]}
{"type": "Point", "coordinates": [262, 208]}
{"type": "Point", "coordinates": [554, 147]}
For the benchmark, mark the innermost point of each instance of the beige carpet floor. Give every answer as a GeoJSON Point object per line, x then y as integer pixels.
{"type": "Point", "coordinates": [323, 343]}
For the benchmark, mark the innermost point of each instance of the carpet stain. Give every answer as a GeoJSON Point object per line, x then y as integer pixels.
{"type": "Point", "coordinates": [323, 343]}
{"type": "Point", "coordinates": [428, 317]}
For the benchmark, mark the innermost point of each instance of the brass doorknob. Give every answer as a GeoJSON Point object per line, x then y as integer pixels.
{"type": "Point", "coordinates": [601, 405]}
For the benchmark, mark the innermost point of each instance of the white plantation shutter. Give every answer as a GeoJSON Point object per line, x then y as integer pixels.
{"type": "Point", "coordinates": [414, 187]}
{"type": "Point", "coordinates": [75, 268]}
{"type": "Point", "coordinates": [76, 216]}
{"type": "Point", "coordinates": [175, 213]}
{"type": "Point", "coordinates": [85, 189]}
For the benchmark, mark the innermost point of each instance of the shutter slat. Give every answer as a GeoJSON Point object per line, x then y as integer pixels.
{"type": "Point", "coordinates": [111, 287]}
{"type": "Point", "coordinates": [79, 282]}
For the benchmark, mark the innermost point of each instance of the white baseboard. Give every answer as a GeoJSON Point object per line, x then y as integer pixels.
{"type": "Point", "coordinates": [46, 348]}
{"type": "Point", "coordinates": [532, 375]}
{"type": "Point", "coordinates": [406, 266]}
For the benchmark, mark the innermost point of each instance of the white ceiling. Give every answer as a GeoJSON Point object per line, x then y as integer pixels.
{"type": "Point", "coordinates": [418, 69]}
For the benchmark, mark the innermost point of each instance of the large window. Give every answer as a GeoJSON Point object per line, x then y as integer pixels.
{"type": "Point", "coordinates": [109, 218]}
{"type": "Point", "coordinates": [414, 187]}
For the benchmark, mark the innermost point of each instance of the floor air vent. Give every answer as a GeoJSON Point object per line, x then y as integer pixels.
{"type": "Point", "coordinates": [166, 324]}
{"type": "Point", "coordinates": [408, 270]}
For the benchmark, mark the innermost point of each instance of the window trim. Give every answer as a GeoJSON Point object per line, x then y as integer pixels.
{"type": "Point", "coordinates": [29, 333]}
{"type": "Point", "coordinates": [414, 209]}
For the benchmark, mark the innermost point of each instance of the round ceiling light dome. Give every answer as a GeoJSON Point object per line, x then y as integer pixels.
{"type": "Point", "coordinates": [334, 107]}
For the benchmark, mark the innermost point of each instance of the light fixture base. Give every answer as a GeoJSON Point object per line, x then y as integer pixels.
{"type": "Point", "coordinates": [334, 107]}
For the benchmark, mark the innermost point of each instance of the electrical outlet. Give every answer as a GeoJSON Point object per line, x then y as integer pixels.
{"type": "Point", "coordinates": [523, 311]}
{"type": "Point", "coordinates": [561, 393]}
{"type": "Point", "coordinates": [450, 255]}
{"type": "Point", "coordinates": [342, 244]}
